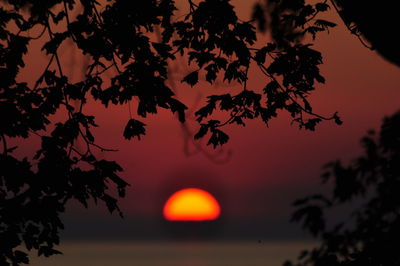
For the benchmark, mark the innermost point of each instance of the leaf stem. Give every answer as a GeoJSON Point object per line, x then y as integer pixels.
{"type": "Point", "coordinates": [5, 149]}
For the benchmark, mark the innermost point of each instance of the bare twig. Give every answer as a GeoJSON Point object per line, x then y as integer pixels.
{"type": "Point", "coordinates": [39, 80]}
{"type": "Point", "coordinates": [192, 6]}
{"type": "Point", "coordinates": [55, 53]}
{"type": "Point", "coordinates": [40, 34]}
{"type": "Point", "coordinates": [351, 30]}
{"type": "Point", "coordinates": [115, 65]}
{"type": "Point", "coordinates": [213, 157]}
{"type": "Point", "coordinates": [265, 71]}
{"type": "Point", "coordinates": [68, 20]}
{"type": "Point", "coordinates": [5, 149]}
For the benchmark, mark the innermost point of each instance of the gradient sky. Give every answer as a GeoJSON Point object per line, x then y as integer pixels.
{"type": "Point", "coordinates": [267, 168]}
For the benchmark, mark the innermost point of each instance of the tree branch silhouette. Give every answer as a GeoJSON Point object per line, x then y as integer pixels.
{"type": "Point", "coordinates": [352, 29]}
{"type": "Point", "coordinates": [126, 64]}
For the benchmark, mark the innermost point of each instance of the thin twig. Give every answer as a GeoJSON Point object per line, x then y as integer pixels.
{"type": "Point", "coordinates": [350, 29]}
{"type": "Point", "coordinates": [97, 12]}
{"type": "Point", "coordinates": [44, 73]}
{"type": "Point", "coordinates": [115, 65]}
{"type": "Point", "coordinates": [192, 6]}
{"type": "Point", "coordinates": [5, 149]}
{"type": "Point", "coordinates": [245, 81]}
{"type": "Point", "coordinates": [265, 71]}
{"type": "Point", "coordinates": [59, 64]}
{"type": "Point", "coordinates": [129, 109]}
{"type": "Point", "coordinates": [55, 52]}
{"type": "Point", "coordinates": [188, 134]}
{"type": "Point", "coordinates": [104, 70]}
{"type": "Point", "coordinates": [230, 120]}
{"type": "Point", "coordinates": [68, 20]}
{"type": "Point", "coordinates": [40, 34]}
{"type": "Point", "coordinates": [89, 143]}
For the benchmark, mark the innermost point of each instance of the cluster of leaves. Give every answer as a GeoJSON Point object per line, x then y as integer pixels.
{"type": "Point", "coordinates": [120, 36]}
{"type": "Point", "coordinates": [291, 20]}
{"type": "Point", "coordinates": [291, 67]}
{"type": "Point", "coordinates": [370, 236]}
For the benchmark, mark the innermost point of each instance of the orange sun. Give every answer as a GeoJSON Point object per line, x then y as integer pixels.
{"type": "Point", "coordinates": [191, 204]}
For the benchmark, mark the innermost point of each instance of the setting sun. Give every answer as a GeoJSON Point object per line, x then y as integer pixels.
{"type": "Point", "coordinates": [191, 204]}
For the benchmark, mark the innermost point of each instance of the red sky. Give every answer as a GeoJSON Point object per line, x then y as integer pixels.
{"type": "Point", "coordinates": [268, 167]}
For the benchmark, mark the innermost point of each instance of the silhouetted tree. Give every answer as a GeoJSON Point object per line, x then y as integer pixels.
{"type": "Point", "coordinates": [119, 38]}
{"type": "Point", "coordinates": [369, 184]}
{"type": "Point", "coordinates": [369, 236]}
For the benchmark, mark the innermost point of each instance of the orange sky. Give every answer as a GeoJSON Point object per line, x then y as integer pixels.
{"type": "Point", "coordinates": [268, 167]}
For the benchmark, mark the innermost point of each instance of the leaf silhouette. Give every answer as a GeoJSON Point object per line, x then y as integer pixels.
{"type": "Point", "coordinates": [134, 128]}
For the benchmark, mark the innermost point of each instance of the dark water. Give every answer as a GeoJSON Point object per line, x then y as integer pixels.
{"type": "Point", "coordinates": [174, 254]}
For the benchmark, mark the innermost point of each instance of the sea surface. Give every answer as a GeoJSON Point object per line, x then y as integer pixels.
{"type": "Point", "coordinates": [272, 253]}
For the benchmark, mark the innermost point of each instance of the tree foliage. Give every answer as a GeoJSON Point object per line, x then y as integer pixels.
{"type": "Point", "coordinates": [120, 38]}
{"type": "Point", "coordinates": [370, 182]}
{"type": "Point", "coordinates": [370, 235]}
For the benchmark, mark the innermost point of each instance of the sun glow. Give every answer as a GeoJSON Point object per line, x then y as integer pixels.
{"type": "Point", "coordinates": [191, 204]}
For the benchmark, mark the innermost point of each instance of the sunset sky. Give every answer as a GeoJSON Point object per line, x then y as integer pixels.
{"type": "Point", "coordinates": [257, 175]}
